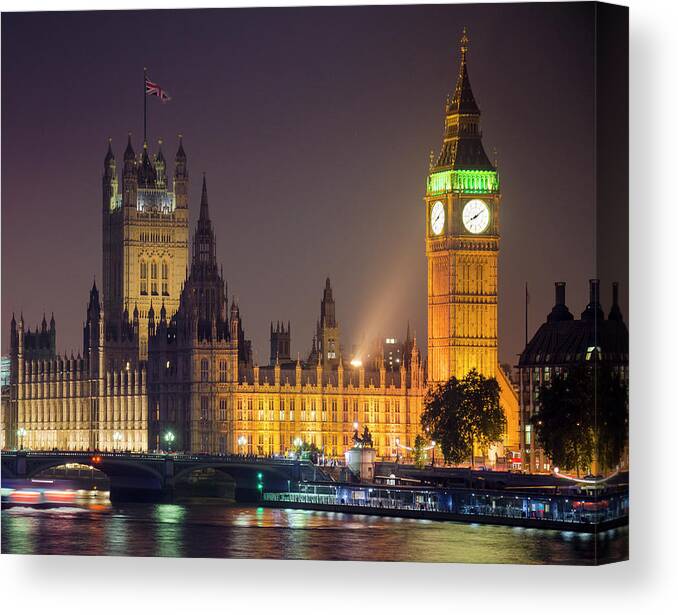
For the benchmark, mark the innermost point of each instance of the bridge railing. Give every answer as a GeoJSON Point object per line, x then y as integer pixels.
{"type": "Point", "coordinates": [247, 459]}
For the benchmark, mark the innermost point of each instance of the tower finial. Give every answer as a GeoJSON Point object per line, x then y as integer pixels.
{"type": "Point", "coordinates": [463, 45]}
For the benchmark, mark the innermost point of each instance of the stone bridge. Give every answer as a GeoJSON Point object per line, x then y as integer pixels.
{"type": "Point", "coordinates": [153, 477]}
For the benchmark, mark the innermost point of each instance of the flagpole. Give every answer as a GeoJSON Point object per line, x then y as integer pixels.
{"type": "Point", "coordinates": [145, 97]}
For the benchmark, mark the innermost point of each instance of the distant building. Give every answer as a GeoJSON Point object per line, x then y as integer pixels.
{"type": "Point", "coordinates": [561, 343]}
{"type": "Point", "coordinates": [394, 352]}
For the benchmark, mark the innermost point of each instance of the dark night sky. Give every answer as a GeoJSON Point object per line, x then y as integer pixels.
{"type": "Point", "coordinates": [314, 128]}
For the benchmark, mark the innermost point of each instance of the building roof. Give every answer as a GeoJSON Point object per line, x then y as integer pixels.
{"type": "Point", "coordinates": [561, 340]}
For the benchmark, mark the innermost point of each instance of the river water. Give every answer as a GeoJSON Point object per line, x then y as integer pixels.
{"type": "Point", "coordinates": [235, 531]}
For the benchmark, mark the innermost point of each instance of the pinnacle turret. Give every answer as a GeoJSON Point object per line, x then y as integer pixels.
{"type": "Point", "coordinates": [129, 150]}
{"type": "Point", "coordinates": [109, 160]}
{"type": "Point", "coordinates": [204, 206]}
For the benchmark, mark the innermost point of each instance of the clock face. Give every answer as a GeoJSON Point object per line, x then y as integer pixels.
{"type": "Point", "coordinates": [437, 217]}
{"type": "Point", "coordinates": [476, 216]}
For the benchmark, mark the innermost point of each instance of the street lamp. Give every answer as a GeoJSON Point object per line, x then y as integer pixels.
{"type": "Point", "coordinates": [169, 438]}
{"type": "Point", "coordinates": [433, 452]}
{"type": "Point", "coordinates": [117, 437]}
{"type": "Point", "coordinates": [297, 445]}
{"type": "Point", "coordinates": [242, 440]}
{"type": "Point", "coordinates": [21, 432]}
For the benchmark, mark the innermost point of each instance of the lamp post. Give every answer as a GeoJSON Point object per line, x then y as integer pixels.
{"type": "Point", "coordinates": [433, 452]}
{"type": "Point", "coordinates": [169, 438]}
{"type": "Point", "coordinates": [297, 445]}
{"type": "Point", "coordinates": [242, 440]}
{"type": "Point", "coordinates": [117, 438]}
{"type": "Point", "coordinates": [21, 432]}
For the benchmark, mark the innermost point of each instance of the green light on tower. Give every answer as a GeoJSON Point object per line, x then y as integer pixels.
{"type": "Point", "coordinates": [472, 182]}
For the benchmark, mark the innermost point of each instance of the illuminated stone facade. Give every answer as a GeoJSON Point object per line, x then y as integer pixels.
{"type": "Point", "coordinates": [74, 402]}
{"type": "Point", "coordinates": [462, 259]}
{"type": "Point", "coordinates": [163, 352]}
{"type": "Point", "coordinates": [462, 246]}
{"type": "Point", "coordinates": [208, 393]}
{"type": "Point", "coordinates": [199, 381]}
{"type": "Point", "coordinates": [145, 236]}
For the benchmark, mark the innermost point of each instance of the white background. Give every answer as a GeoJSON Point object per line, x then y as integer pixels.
{"type": "Point", "coordinates": [647, 583]}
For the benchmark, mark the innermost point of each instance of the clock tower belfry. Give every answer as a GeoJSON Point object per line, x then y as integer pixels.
{"type": "Point", "coordinates": [462, 243]}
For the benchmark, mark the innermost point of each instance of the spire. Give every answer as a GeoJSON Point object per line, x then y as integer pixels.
{"type": "Point", "coordinates": [93, 306]}
{"type": "Point", "coordinates": [160, 157]}
{"type": "Point", "coordinates": [463, 100]}
{"type": "Point", "coordinates": [462, 145]}
{"type": "Point", "coordinates": [327, 307]}
{"type": "Point", "coordinates": [181, 154]}
{"type": "Point", "coordinates": [109, 154]}
{"type": "Point", "coordinates": [147, 173]}
{"type": "Point", "coordinates": [204, 211]}
{"type": "Point", "coordinates": [129, 150]}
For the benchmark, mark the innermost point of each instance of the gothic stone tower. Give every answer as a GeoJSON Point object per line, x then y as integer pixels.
{"type": "Point", "coordinates": [462, 243]}
{"type": "Point", "coordinates": [327, 330]}
{"type": "Point", "coordinates": [145, 236]}
{"type": "Point", "coordinates": [196, 355]}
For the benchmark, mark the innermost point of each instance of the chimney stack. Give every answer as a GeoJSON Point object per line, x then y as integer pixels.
{"type": "Point", "coordinates": [560, 293]}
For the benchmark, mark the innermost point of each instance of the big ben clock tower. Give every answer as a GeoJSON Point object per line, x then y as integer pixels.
{"type": "Point", "coordinates": [462, 243]}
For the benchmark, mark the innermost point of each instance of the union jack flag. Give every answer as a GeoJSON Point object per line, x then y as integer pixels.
{"type": "Point", "coordinates": [153, 89]}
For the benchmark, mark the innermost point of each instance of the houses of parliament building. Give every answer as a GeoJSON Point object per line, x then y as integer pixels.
{"type": "Point", "coordinates": [165, 351]}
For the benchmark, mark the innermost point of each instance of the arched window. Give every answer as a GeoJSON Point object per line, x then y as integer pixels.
{"type": "Point", "coordinates": [154, 278]}
{"type": "Point", "coordinates": [165, 278]}
{"type": "Point", "coordinates": [143, 275]}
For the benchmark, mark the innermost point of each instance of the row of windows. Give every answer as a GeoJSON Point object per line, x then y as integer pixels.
{"type": "Point", "coordinates": [313, 417]}
{"type": "Point", "coordinates": [267, 412]}
{"type": "Point", "coordinates": [205, 370]}
{"type": "Point", "coordinates": [155, 237]}
{"type": "Point", "coordinates": [144, 277]}
{"type": "Point", "coordinates": [368, 405]}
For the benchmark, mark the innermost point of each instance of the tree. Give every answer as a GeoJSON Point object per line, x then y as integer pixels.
{"type": "Point", "coordinates": [463, 413]}
{"type": "Point", "coordinates": [418, 451]}
{"type": "Point", "coordinates": [612, 417]}
{"type": "Point", "coordinates": [583, 415]}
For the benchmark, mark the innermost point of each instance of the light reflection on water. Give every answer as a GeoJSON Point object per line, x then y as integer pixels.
{"type": "Point", "coordinates": [216, 530]}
